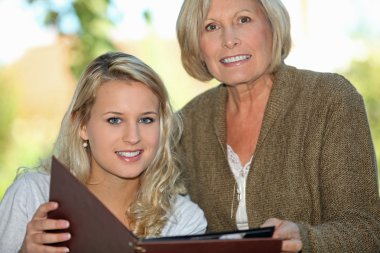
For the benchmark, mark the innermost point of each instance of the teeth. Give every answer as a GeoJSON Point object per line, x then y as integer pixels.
{"type": "Point", "coordinates": [236, 58]}
{"type": "Point", "coordinates": [128, 154]}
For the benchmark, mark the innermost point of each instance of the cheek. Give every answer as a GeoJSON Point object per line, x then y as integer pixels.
{"type": "Point", "coordinates": [209, 55]}
{"type": "Point", "coordinates": [152, 138]}
{"type": "Point", "coordinates": [100, 136]}
{"type": "Point", "coordinates": [156, 139]}
{"type": "Point", "coordinates": [266, 41]}
{"type": "Point", "coordinates": [206, 47]}
{"type": "Point", "coordinates": [97, 141]}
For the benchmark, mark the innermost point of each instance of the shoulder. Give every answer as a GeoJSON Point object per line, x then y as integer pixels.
{"type": "Point", "coordinates": [184, 206]}
{"type": "Point", "coordinates": [204, 101]}
{"type": "Point", "coordinates": [186, 218]}
{"type": "Point", "coordinates": [330, 84]}
{"type": "Point", "coordinates": [34, 180]}
{"type": "Point", "coordinates": [319, 89]}
{"type": "Point", "coordinates": [201, 111]}
{"type": "Point", "coordinates": [28, 187]}
{"type": "Point", "coordinates": [18, 205]}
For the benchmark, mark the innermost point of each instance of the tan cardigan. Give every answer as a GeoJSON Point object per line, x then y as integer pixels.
{"type": "Point", "coordinates": [314, 163]}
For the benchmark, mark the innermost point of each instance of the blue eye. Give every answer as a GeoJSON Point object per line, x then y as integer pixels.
{"type": "Point", "coordinates": [146, 120]}
{"type": "Point", "coordinates": [114, 120]}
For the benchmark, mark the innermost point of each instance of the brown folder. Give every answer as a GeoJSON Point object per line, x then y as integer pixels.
{"type": "Point", "coordinates": [95, 229]}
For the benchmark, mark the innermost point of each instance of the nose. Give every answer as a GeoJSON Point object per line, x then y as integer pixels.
{"type": "Point", "coordinates": [230, 38]}
{"type": "Point", "coordinates": [131, 134]}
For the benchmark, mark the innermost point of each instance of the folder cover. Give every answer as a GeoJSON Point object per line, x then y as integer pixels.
{"type": "Point", "coordinates": [95, 229]}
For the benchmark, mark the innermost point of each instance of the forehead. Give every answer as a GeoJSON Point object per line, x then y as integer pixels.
{"type": "Point", "coordinates": [224, 7]}
{"type": "Point", "coordinates": [125, 92]}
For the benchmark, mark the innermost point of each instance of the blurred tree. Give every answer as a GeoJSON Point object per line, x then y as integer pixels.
{"type": "Point", "coordinates": [88, 23]}
{"type": "Point", "coordinates": [365, 75]}
{"type": "Point", "coordinates": [364, 72]}
{"type": "Point", "coordinates": [8, 109]}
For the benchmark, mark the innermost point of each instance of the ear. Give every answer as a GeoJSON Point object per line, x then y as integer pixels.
{"type": "Point", "coordinates": [83, 132]}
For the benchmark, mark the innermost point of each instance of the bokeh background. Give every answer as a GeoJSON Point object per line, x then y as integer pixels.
{"type": "Point", "coordinates": [45, 44]}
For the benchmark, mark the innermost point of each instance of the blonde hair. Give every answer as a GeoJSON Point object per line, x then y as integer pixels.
{"type": "Point", "coordinates": [160, 181]}
{"type": "Point", "coordinates": [190, 25]}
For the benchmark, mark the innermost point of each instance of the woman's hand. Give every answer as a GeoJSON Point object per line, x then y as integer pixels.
{"type": "Point", "coordinates": [36, 232]}
{"type": "Point", "coordinates": [288, 232]}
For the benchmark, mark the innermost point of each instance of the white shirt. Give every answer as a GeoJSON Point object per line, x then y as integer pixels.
{"type": "Point", "coordinates": [31, 189]}
{"type": "Point", "coordinates": [240, 173]}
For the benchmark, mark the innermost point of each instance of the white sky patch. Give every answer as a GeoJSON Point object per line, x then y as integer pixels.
{"type": "Point", "coordinates": [20, 31]}
{"type": "Point", "coordinates": [133, 25]}
{"type": "Point", "coordinates": [326, 44]}
{"type": "Point", "coordinates": [165, 17]}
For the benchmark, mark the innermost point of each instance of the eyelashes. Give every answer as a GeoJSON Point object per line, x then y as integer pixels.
{"type": "Point", "coordinates": [114, 120]}
{"type": "Point", "coordinates": [147, 120]}
{"type": "Point", "coordinates": [213, 26]}
{"type": "Point", "coordinates": [117, 121]}
{"type": "Point", "coordinates": [244, 20]}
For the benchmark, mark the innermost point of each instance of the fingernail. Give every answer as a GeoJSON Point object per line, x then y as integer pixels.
{"type": "Point", "coordinates": [66, 224]}
{"type": "Point", "coordinates": [66, 250]}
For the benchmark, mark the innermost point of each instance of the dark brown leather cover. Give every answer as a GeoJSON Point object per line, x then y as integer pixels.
{"type": "Point", "coordinates": [95, 229]}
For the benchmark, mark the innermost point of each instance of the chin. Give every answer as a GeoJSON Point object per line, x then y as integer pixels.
{"type": "Point", "coordinates": [132, 176]}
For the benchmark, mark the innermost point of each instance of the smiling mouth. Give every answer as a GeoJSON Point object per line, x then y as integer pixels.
{"type": "Point", "coordinates": [235, 58]}
{"type": "Point", "coordinates": [128, 154]}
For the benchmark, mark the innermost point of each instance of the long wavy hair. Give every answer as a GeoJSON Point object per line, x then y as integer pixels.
{"type": "Point", "coordinates": [190, 25]}
{"type": "Point", "coordinates": [160, 182]}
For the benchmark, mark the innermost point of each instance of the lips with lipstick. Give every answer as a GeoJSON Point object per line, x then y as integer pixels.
{"type": "Point", "coordinates": [236, 58]}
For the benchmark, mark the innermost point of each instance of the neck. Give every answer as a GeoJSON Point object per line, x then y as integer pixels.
{"type": "Point", "coordinates": [116, 195]}
{"type": "Point", "coordinates": [243, 97]}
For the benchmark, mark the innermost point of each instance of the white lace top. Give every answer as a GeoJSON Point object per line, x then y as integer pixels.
{"type": "Point", "coordinates": [240, 173]}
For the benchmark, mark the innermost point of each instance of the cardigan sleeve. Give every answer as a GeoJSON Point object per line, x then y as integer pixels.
{"type": "Point", "coordinates": [349, 193]}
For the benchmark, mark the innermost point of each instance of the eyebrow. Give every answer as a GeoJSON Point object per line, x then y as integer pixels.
{"type": "Point", "coordinates": [146, 113]}
{"type": "Point", "coordinates": [249, 10]}
{"type": "Point", "coordinates": [119, 113]}
{"type": "Point", "coordinates": [236, 14]}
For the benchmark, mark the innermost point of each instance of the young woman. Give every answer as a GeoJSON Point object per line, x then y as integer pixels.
{"type": "Point", "coordinates": [117, 137]}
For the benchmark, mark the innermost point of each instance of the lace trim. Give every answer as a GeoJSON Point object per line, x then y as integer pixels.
{"type": "Point", "coordinates": [240, 173]}
{"type": "Point", "coordinates": [234, 161]}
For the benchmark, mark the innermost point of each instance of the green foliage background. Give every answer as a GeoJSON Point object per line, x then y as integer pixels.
{"type": "Point", "coordinates": [92, 34]}
{"type": "Point", "coordinates": [8, 110]}
{"type": "Point", "coordinates": [365, 75]}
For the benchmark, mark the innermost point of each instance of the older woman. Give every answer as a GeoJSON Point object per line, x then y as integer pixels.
{"type": "Point", "coordinates": [273, 144]}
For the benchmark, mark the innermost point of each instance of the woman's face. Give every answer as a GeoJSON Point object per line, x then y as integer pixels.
{"type": "Point", "coordinates": [123, 130]}
{"type": "Point", "coordinates": [236, 41]}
